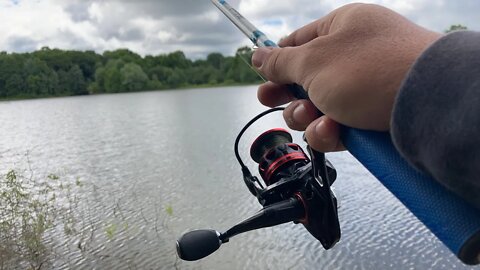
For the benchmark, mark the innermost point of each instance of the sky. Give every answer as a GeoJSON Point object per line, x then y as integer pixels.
{"type": "Point", "coordinates": [151, 27]}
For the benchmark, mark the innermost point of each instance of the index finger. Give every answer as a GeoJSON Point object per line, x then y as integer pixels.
{"type": "Point", "coordinates": [320, 27]}
{"type": "Point", "coordinates": [272, 95]}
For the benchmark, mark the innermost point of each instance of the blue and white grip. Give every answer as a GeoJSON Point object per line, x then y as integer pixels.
{"type": "Point", "coordinates": [455, 222]}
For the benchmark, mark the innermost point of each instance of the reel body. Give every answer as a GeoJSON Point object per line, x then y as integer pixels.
{"type": "Point", "coordinates": [288, 172]}
{"type": "Point", "coordinates": [294, 187]}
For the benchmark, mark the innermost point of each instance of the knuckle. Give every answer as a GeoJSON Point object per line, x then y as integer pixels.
{"type": "Point", "coordinates": [278, 66]}
{"type": "Point", "coordinates": [301, 63]}
{"type": "Point", "coordinates": [269, 67]}
{"type": "Point", "coordinates": [303, 56]}
{"type": "Point", "coordinates": [276, 62]}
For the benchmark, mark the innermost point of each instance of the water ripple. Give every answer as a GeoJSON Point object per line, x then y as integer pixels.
{"type": "Point", "coordinates": [155, 165]}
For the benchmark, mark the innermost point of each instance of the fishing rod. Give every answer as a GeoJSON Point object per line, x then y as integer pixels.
{"type": "Point", "coordinates": [297, 187]}
{"type": "Point", "coordinates": [257, 37]}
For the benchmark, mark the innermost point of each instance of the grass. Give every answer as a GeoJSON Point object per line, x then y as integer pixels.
{"type": "Point", "coordinates": [36, 213]}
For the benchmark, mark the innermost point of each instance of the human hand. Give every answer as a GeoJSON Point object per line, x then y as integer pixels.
{"type": "Point", "coordinates": [351, 62]}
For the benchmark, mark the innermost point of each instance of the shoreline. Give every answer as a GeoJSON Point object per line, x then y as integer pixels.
{"type": "Point", "coordinates": [185, 87]}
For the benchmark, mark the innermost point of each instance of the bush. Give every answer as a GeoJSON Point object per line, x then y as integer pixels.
{"type": "Point", "coordinates": [28, 210]}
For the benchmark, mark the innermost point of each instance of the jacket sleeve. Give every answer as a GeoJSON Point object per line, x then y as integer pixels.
{"type": "Point", "coordinates": [436, 117]}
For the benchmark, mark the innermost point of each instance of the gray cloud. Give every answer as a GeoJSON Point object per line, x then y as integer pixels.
{"type": "Point", "coordinates": [186, 22]}
{"type": "Point", "coordinates": [132, 34]}
{"type": "Point", "coordinates": [21, 44]}
{"type": "Point", "coordinates": [165, 8]}
{"type": "Point", "coordinates": [78, 10]}
{"type": "Point", "coordinates": [66, 38]}
{"type": "Point", "coordinates": [196, 27]}
{"type": "Point", "coordinates": [439, 16]}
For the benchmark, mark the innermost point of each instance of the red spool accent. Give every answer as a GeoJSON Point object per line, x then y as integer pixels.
{"type": "Point", "coordinates": [279, 162]}
{"type": "Point", "coordinates": [268, 172]}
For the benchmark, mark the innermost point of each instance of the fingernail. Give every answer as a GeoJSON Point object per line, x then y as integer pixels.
{"type": "Point", "coordinates": [299, 113]}
{"type": "Point", "coordinates": [260, 55]}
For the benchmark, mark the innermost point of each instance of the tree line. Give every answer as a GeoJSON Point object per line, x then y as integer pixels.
{"type": "Point", "coordinates": [55, 72]}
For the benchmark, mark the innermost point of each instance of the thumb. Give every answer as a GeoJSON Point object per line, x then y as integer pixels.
{"type": "Point", "coordinates": [278, 65]}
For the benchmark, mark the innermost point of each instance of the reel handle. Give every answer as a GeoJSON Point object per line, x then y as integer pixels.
{"type": "Point", "coordinates": [455, 222]}
{"type": "Point", "coordinates": [197, 244]}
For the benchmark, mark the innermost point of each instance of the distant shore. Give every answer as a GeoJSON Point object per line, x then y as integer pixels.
{"type": "Point", "coordinates": [186, 87]}
{"type": "Point", "coordinates": [58, 73]}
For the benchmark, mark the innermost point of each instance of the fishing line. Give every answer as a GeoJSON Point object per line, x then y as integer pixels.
{"type": "Point", "coordinates": [250, 66]}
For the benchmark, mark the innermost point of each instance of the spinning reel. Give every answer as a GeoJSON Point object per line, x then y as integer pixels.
{"type": "Point", "coordinates": [295, 188]}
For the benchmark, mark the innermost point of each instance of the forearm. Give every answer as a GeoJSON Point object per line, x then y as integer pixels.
{"type": "Point", "coordinates": [436, 117]}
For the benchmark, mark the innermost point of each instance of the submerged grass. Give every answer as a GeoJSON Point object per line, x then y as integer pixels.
{"type": "Point", "coordinates": [32, 209]}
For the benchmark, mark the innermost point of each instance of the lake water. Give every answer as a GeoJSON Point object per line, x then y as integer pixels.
{"type": "Point", "coordinates": [154, 165]}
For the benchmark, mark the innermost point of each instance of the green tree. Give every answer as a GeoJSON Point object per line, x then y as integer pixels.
{"type": "Point", "coordinates": [133, 77]}
{"type": "Point", "coordinates": [63, 60]}
{"type": "Point", "coordinates": [54, 58]}
{"type": "Point", "coordinates": [216, 60]}
{"type": "Point", "coordinates": [456, 27]}
{"type": "Point", "coordinates": [113, 80]}
{"type": "Point", "coordinates": [240, 70]}
{"type": "Point", "coordinates": [10, 65]}
{"type": "Point", "coordinates": [63, 82]}
{"type": "Point", "coordinates": [177, 78]}
{"type": "Point", "coordinates": [125, 55]}
{"type": "Point", "coordinates": [161, 72]}
{"type": "Point", "coordinates": [87, 62]}
{"type": "Point", "coordinates": [154, 83]}
{"type": "Point", "coordinates": [98, 85]}
{"type": "Point", "coordinates": [34, 85]}
{"type": "Point", "coordinates": [40, 79]}
{"type": "Point", "coordinates": [177, 59]}
{"type": "Point", "coordinates": [52, 72]}
{"type": "Point", "coordinates": [52, 83]}
{"type": "Point", "coordinates": [112, 77]}
{"type": "Point", "coordinates": [76, 81]}
{"type": "Point", "coordinates": [13, 86]}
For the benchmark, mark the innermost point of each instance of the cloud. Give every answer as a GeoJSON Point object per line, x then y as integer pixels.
{"type": "Point", "coordinates": [194, 26]}
{"type": "Point", "coordinates": [78, 11]}
{"type": "Point", "coordinates": [439, 15]}
{"type": "Point", "coordinates": [21, 44]}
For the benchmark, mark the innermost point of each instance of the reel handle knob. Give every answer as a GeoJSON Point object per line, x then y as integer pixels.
{"type": "Point", "coordinates": [198, 244]}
